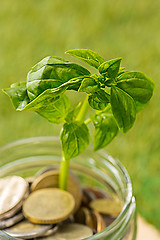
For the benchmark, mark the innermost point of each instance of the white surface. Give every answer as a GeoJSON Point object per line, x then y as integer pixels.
{"type": "Point", "coordinates": [146, 231]}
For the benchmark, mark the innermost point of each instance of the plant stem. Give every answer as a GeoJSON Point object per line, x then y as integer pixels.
{"type": "Point", "coordinates": [64, 168]}
{"type": "Point", "coordinates": [88, 121]}
{"type": "Point", "coordinates": [83, 111]}
{"type": "Point", "coordinates": [64, 171]}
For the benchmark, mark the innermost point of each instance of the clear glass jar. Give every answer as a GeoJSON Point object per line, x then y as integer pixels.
{"type": "Point", "coordinates": [26, 157]}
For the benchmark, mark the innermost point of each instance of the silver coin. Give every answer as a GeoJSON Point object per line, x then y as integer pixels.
{"type": "Point", "coordinates": [11, 221]}
{"type": "Point", "coordinates": [27, 230]}
{"type": "Point", "coordinates": [51, 231]}
{"type": "Point", "coordinates": [4, 236]}
{"type": "Point", "coordinates": [15, 210]}
{"type": "Point", "coordinates": [12, 192]}
{"type": "Point", "coordinates": [71, 231]}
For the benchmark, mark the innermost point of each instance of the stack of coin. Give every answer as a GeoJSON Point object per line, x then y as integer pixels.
{"type": "Point", "coordinates": [49, 179]}
{"type": "Point", "coordinates": [90, 218]}
{"type": "Point", "coordinates": [13, 191]}
{"type": "Point", "coordinates": [35, 208]}
{"type": "Point", "coordinates": [92, 199]}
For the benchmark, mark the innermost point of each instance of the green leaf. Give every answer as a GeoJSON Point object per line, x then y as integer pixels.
{"type": "Point", "coordinates": [110, 68]}
{"type": "Point", "coordinates": [47, 60]}
{"type": "Point", "coordinates": [55, 112]}
{"type": "Point", "coordinates": [121, 70]}
{"type": "Point", "coordinates": [139, 106]}
{"type": "Point", "coordinates": [123, 108]}
{"type": "Point", "coordinates": [45, 98]}
{"type": "Point", "coordinates": [71, 116]}
{"type": "Point", "coordinates": [74, 138]}
{"type": "Point", "coordinates": [105, 130]}
{"type": "Point", "coordinates": [88, 56]}
{"type": "Point", "coordinates": [99, 100]}
{"type": "Point", "coordinates": [89, 85]}
{"type": "Point", "coordinates": [21, 102]}
{"type": "Point", "coordinates": [137, 85]}
{"type": "Point", "coordinates": [51, 76]}
{"type": "Point", "coordinates": [18, 95]}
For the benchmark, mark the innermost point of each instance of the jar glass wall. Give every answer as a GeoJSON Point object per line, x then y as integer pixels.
{"type": "Point", "coordinates": [96, 169]}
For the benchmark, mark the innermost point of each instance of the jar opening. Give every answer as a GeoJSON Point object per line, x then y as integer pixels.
{"type": "Point", "coordinates": [31, 154]}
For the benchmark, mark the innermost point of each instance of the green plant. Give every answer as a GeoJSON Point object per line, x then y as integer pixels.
{"type": "Point", "coordinates": [116, 95]}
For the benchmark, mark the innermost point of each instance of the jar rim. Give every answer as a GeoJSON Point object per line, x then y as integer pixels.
{"type": "Point", "coordinates": [129, 199]}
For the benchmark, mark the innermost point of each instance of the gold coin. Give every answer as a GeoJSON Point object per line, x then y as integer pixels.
{"type": "Point", "coordinates": [27, 230]}
{"type": "Point", "coordinates": [98, 222]}
{"type": "Point", "coordinates": [12, 191]}
{"type": "Point", "coordinates": [107, 206]}
{"type": "Point", "coordinates": [51, 230]}
{"type": "Point", "coordinates": [71, 231]}
{"type": "Point", "coordinates": [45, 169]}
{"type": "Point", "coordinates": [83, 216]}
{"type": "Point", "coordinates": [47, 179]}
{"type": "Point", "coordinates": [50, 179]}
{"type": "Point", "coordinates": [48, 206]}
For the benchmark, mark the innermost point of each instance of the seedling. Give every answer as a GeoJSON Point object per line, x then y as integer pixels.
{"type": "Point", "coordinates": [115, 94]}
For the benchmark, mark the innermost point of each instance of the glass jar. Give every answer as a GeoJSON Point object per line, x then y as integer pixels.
{"type": "Point", "coordinates": [26, 157]}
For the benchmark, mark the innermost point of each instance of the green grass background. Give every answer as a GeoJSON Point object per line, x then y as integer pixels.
{"type": "Point", "coordinates": [31, 30]}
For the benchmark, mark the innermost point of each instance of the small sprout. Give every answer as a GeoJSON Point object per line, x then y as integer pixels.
{"type": "Point", "coordinates": [116, 95]}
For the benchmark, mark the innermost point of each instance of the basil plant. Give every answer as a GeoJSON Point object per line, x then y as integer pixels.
{"type": "Point", "coordinates": [115, 94]}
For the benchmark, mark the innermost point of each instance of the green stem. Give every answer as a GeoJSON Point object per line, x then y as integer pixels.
{"type": "Point", "coordinates": [64, 171]}
{"type": "Point", "coordinates": [83, 111]}
{"type": "Point", "coordinates": [88, 121]}
{"type": "Point", "coordinates": [64, 168]}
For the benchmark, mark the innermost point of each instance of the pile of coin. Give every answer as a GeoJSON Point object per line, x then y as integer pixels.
{"type": "Point", "coordinates": [35, 208]}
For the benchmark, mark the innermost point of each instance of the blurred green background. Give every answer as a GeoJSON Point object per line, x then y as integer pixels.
{"type": "Point", "coordinates": [31, 30]}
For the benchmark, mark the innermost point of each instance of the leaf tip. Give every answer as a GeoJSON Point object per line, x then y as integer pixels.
{"type": "Point", "coordinates": [68, 51]}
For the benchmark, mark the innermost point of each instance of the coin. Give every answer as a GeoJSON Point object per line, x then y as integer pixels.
{"type": "Point", "coordinates": [87, 197]}
{"type": "Point", "coordinates": [47, 179]}
{"type": "Point", "coordinates": [27, 230]}
{"type": "Point", "coordinates": [107, 206]}
{"type": "Point", "coordinates": [83, 216]}
{"type": "Point", "coordinates": [45, 169]}
{"type": "Point", "coordinates": [15, 210]}
{"type": "Point", "coordinates": [11, 221]}
{"type": "Point", "coordinates": [51, 231]}
{"type": "Point", "coordinates": [70, 219]}
{"type": "Point", "coordinates": [71, 231]}
{"type": "Point", "coordinates": [48, 206]}
{"type": "Point", "coordinates": [12, 192]}
{"type": "Point", "coordinates": [98, 222]}
{"type": "Point", "coordinates": [50, 179]}
{"type": "Point", "coordinates": [4, 236]}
